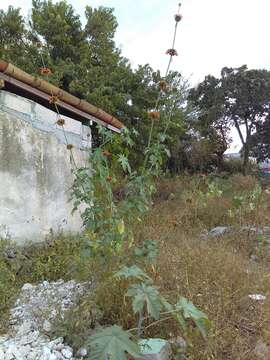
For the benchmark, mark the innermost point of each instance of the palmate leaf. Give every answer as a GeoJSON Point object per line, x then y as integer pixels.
{"type": "Point", "coordinates": [188, 310]}
{"type": "Point", "coordinates": [132, 271]}
{"type": "Point", "coordinates": [123, 160]}
{"type": "Point", "coordinates": [112, 343]}
{"type": "Point", "coordinates": [142, 295]}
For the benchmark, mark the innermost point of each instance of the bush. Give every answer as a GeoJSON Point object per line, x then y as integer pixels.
{"type": "Point", "coordinates": [235, 165]}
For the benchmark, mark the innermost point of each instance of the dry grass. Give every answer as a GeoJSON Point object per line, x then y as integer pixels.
{"type": "Point", "coordinates": [216, 274]}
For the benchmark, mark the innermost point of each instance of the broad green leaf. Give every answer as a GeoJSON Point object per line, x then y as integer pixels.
{"type": "Point", "coordinates": [132, 271]}
{"type": "Point", "coordinates": [167, 306]}
{"type": "Point", "coordinates": [142, 295]}
{"type": "Point", "coordinates": [190, 311]}
{"type": "Point", "coordinates": [112, 343]}
{"type": "Point", "coordinates": [123, 160]}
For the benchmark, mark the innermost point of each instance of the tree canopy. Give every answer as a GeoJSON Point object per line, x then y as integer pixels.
{"type": "Point", "coordinates": [85, 61]}
{"type": "Point", "coordinates": [239, 98]}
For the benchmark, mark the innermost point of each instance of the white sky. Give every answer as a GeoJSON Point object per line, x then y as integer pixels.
{"type": "Point", "coordinates": [212, 34]}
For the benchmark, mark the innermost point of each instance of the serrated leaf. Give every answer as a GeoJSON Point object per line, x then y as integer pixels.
{"type": "Point", "coordinates": [112, 343]}
{"type": "Point", "coordinates": [167, 306]}
{"type": "Point", "coordinates": [142, 295]}
{"type": "Point", "coordinates": [132, 271]}
{"type": "Point", "coordinates": [123, 160]}
{"type": "Point", "coordinates": [190, 311]}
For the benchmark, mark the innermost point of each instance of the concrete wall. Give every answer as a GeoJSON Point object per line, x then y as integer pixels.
{"type": "Point", "coordinates": [35, 169]}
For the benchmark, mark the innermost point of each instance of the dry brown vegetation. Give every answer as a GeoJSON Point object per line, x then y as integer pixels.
{"type": "Point", "coordinates": [216, 274]}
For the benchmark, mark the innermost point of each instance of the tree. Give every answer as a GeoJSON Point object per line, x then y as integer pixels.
{"type": "Point", "coordinates": [247, 102]}
{"type": "Point", "coordinates": [210, 119]}
{"type": "Point", "coordinates": [85, 61]}
{"type": "Point", "coordinates": [239, 98]}
{"type": "Point", "coordinates": [260, 141]}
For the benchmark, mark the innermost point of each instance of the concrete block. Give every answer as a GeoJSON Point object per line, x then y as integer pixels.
{"type": "Point", "coordinates": [155, 349]}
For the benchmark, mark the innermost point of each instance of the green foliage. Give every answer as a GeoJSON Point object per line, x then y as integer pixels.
{"type": "Point", "coordinates": [132, 272]}
{"type": "Point", "coordinates": [85, 61]}
{"type": "Point", "coordinates": [147, 251]}
{"type": "Point", "coordinates": [8, 281]}
{"type": "Point", "coordinates": [109, 221]}
{"type": "Point", "coordinates": [239, 98]}
{"type": "Point", "coordinates": [245, 203]}
{"type": "Point", "coordinates": [145, 295]}
{"type": "Point", "coordinates": [112, 343]}
{"type": "Point", "coordinates": [189, 311]}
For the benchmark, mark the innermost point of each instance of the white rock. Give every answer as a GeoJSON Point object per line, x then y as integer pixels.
{"type": "Point", "coordinates": [35, 306]}
{"type": "Point", "coordinates": [25, 328]}
{"type": "Point", "coordinates": [59, 347]}
{"type": "Point", "coordinates": [45, 284]}
{"type": "Point", "coordinates": [18, 354]}
{"type": "Point", "coordinates": [47, 326]}
{"type": "Point", "coordinates": [67, 353]}
{"type": "Point", "coordinates": [34, 355]}
{"type": "Point", "coordinates": [29, 338]}
{"type": "Point", "coordinates": [9, 356]}
{"type": "Point", "coordinates": [2, 354]}
{"type": "Point", "coordinates": [9, 353]}
{"type": "Point", "coordinates": [54, 357]}
{"type": "Point", "coordinates": [27, 287]}
{"type": "Point", "coordinates": [46, 353]}
{"type": "Point", "coordinates": [257, 297]}
{"type": "Point", "coordinates": [56, 343]}
{"type": "Point", "coordinates": [82, 352]}
{"type": "Point", "coordinates": [219, 231]}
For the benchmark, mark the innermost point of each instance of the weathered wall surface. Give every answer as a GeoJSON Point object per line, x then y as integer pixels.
{"type": "Point", "coordinates": [35, 169]}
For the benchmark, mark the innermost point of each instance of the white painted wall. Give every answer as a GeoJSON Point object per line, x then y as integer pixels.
{"type": "Point", "coordinates": [35, 169]}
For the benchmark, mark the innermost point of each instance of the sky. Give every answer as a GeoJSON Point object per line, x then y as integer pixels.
{"type": "Point", "coordinates": [212, 34]}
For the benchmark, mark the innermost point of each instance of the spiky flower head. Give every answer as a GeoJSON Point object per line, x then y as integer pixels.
{"type": "Point", "coordinates": [163, 85]}
{"type": "Point", "coordinates": [60, 122]}
{"type": "Point", "coordinates": [178, 17]}
{"type": "Point", "coordinates": [45, 71]}
{"type": "Point", "coordinates": [171, 52]}
{"type": "Point", "coordinates": [154, 115]}
{"type": "Point", "coordinates": [106, 153]}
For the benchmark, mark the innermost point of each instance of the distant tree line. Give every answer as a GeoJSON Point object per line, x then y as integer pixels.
{"type": "Point", "coordinates": [85, 61]}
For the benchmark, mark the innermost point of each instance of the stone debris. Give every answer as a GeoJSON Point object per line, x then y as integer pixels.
{"type": "Point", "coordinates": [31, 322]}
{"type": "Point", "coordinates": [219, 231]}
{"type": "Point", "coordinates": [262, 351]}
{"type": "Point", "coordinates": [81, 353]}
{"type": "Point", "coordinates": [155, 349]}
{"type": "Point", "coordinates": [257, 297]}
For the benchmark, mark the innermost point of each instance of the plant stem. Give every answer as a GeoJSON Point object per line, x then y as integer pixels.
{"type": "Point", "coordinates": [139, 329]}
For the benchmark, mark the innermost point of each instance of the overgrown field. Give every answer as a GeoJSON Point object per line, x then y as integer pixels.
{"type": "Point", "coordinates": [216, 273]}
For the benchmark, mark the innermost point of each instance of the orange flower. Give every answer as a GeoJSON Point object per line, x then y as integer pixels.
{"type": "Point", "coordinates": [60, 122]}
{"type": "Point", "coordinates": [154, 115]}
{"type": "Point", "coordinates": [45, 71]}
{"type": "Point", "coordinates": [53, 99]}
{"type": "Point", "coordinates": [109, 178]}
{"type": "Point", "coordinates": [163, 85]}
{"type": "Point", "coordinates": [171, 52]}
{"type": "Point", "coordinates": [106, 153]}
{"type": "Point", "coordinates": [70, 146]}
{"type": "Point", "coordinates": [178, 17]}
